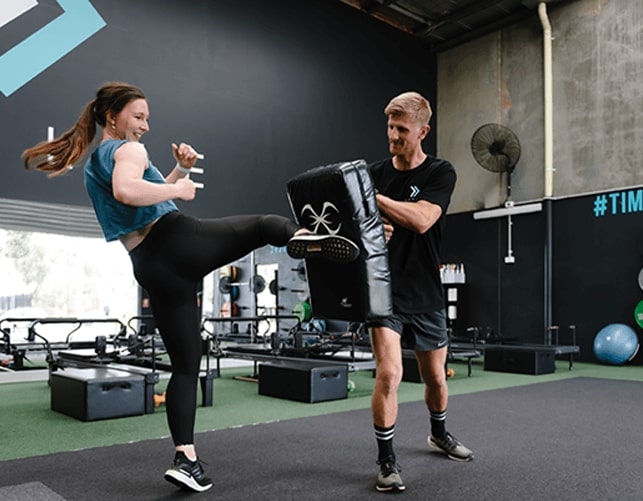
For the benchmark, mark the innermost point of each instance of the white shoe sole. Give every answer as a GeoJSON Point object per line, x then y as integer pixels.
{"type": "Point", "coordinates": [332, 247]}
{"type": "Point", "coordinates": [181, 479]}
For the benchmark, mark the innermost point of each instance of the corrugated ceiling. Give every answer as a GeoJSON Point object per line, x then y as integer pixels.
{"type": "Point", "coordinates": [443, 24]}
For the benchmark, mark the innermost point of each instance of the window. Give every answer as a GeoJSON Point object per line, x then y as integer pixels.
{"type": "Point", "coordinates": [64, 276]}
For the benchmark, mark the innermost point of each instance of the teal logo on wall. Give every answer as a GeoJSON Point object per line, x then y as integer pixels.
{"type": "Point", "coordinates": [49, 44]}
{"type": "Point", "coordinates": [618, 203]}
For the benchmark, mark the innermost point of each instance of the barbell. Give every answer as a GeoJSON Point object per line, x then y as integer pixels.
{"type": "Point", "coordinates": [227, 285]}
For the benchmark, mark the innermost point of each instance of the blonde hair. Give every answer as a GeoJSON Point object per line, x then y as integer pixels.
{"type": "Point", "coordinates": [413, 104]}
{"type": "Point", "coordinates": [55, 157]}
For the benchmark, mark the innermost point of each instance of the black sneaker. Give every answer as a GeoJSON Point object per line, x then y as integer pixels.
{"type": "Point", "coordinates": [450, 446]}
{"type": "Point", "coordinates": [187, 474]}
{"type": "Point", "coordinates": [332, 247]}
{"type": "Point", "coordinates": [388, 479]}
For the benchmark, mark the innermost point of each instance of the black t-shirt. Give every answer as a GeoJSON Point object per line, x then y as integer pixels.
{"type": "Point", "coordinates": [414, 259]}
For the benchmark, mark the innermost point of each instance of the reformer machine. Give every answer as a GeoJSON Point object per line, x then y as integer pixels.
{"type": "Point", "coordinates": [303, 342]}
{"type": "Point", "coordinates": [21, 338]}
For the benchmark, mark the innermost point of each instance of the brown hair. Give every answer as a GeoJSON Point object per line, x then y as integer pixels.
{"type": "Point", "coordinates": [54, 157]}
{"type": "Point", "coordinates": [412, 104]}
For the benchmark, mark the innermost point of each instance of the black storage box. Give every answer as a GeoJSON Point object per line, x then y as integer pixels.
{"type": "Point", "coordinates": [303, 382]}
{"type": "Point", "coordinates": [100, 393]}
{"type": "Point", "coordinates": [520, 361]}
{"type": "Point", "coordinates": [411, 372]}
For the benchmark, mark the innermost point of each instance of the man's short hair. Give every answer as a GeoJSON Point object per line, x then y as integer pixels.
{"type": "Point", "coordinates": [413, 104]}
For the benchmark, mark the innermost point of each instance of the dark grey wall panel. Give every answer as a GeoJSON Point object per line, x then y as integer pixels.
{"type": "Point", "coordinates": [597, 254]}
{"type": "Point", "coordinates": [506, 298]}
{"type": "Point", "coordinates": [597, 259]}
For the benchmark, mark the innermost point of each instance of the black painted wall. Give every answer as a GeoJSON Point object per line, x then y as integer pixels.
{"type": "Point", "coordinates": [598, 256]}
{"type": "Point", "coordinates": [507, 299]}
{"type": "Point", "coordinates": [596, 260]}
{"type": "Point", "coordinates": [265, 89]}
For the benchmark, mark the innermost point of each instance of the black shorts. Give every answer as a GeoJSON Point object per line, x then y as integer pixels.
{"type": "Point", "coordinates": [418, 331]}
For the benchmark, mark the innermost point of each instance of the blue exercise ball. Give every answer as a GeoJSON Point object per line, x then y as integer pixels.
{"type": "Point", "coordinates": [616, 344]}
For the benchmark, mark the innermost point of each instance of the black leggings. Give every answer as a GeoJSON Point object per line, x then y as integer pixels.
{"type": "Point", "coordinates": [170, 264]}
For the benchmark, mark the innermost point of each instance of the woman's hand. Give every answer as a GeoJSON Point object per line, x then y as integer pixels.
{"type": "Point", "coordinates": [185, 155]}
{"type": "Point", "coordinates": [186, 189]}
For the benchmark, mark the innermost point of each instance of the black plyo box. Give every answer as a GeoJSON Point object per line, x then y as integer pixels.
{"type": "Point", "coordinates": [519, 361]}
{"type": "Point", "coordinates": [410, 368]}
{"type": "Point", "coordinates": [411, 372]}
{"type": "Point", "coordinates": [90, 394]}
{"type": "Point", "coordinates": [303, 382]}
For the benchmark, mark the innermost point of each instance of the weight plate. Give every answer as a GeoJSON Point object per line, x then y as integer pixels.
{"type": "Point", "coordinates": [224, 284]}
{"type": "Point", "coordinates": [229, 271]}
{"type": "Point", "coordinates": [638, 314]}
{"type": "Point", "coordinates": [301, 271]}
{"type": "Point", "coordinates": [258, 284]}
{"type": "Point", "coordinates": [229, 309]}
{"type": "Point", "coordinates": [303, 311]}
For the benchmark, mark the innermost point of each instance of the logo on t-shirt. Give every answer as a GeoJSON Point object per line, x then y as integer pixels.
{"type": "Point", "coordinates": [414, 192]}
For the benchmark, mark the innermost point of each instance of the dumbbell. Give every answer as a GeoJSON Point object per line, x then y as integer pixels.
{"type": "Point", "coordinates": [274, 287]}
{"type": "Point", "coordinates": [229, 285]}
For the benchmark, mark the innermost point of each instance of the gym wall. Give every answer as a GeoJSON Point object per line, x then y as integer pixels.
{"type": "Point", "coordinates": [597, 256]}
{"type": "Point", "coordinates": [597, 114]}
{"type": "Point", "coordinates": [265, 90]}
{"type": "Point", "coordinates": [597, 109]}
{"type": "Point", "coordinates": [268, 89]}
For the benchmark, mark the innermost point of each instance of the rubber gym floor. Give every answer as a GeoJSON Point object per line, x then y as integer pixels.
{"type": "Point", "coordinates": [31, 428]}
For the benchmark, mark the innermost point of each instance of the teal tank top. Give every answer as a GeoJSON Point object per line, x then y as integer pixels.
{"type": "Point", "coordinates": [117, 219]}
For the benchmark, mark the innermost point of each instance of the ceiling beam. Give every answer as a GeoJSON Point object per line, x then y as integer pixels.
{"type": "Point", "coordinates": [372, 6]}
{"type": "Point", "coordinates": [459, 15]}
{"type": "Point", "coordinates": [454, 41]}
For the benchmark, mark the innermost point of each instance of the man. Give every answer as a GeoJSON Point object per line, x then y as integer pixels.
{"type": "Point", "coordinates": [413, 193]}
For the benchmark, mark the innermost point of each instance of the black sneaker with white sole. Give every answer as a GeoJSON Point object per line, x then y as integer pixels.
{"type": "Point", "coordinates": [450, 446]}
{"type": "Point", "coordinates": [187, 474]}
{"type": "Point", "coordinates": [332, 247]}
{"type": "Point", "coordinates": [388, 479]}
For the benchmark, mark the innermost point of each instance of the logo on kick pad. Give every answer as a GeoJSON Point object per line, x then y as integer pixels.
{"type": "Point", "coordinates": [345, 303]}
{"type": "Point", "coordinates": [328, 218]}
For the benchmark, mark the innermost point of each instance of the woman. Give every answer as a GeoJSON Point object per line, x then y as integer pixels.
{"type": "Point", "coordinates": [170, 252]}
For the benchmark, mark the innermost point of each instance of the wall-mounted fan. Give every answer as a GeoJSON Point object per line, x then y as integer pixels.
{"type": "Point", "coordinates": [497, 149]}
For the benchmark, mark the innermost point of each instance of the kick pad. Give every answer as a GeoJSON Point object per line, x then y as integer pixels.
{"type": "Point", "coordinates": [339, 199]}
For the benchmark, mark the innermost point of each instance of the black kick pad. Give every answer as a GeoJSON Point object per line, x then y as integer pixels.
{"type": "Point", "coordinates": [340, 199]}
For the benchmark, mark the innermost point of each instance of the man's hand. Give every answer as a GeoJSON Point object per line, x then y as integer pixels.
{"type": "Point", "coordinates": [388, 228]}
